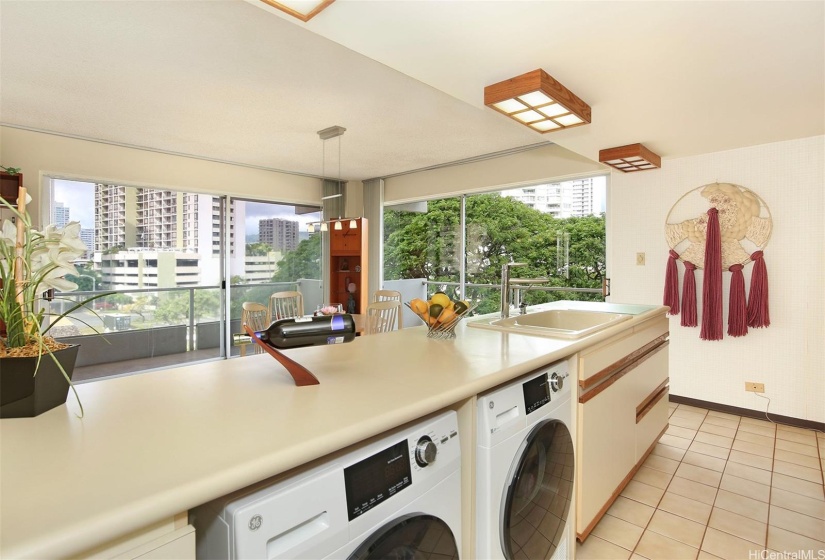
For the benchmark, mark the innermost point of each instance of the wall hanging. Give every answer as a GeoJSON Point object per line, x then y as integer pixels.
{"type": "Point", "coordinates": [718, 227]}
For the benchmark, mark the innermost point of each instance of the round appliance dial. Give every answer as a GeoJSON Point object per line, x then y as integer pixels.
{"type": "Point", "coordinates": [425, 451]}
{"type": "Point", "coordinates": [557, 382]}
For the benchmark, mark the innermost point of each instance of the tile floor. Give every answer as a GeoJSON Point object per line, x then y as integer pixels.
{"type": "Point", "coordinates": [720, 486]}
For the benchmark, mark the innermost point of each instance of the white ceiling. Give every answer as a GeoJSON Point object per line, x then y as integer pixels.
{"type": "Point", "coordinates": [238, 81]}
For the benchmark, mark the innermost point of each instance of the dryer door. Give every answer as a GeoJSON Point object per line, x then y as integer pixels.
{"type": "Point", "coordinates": [536, 502]}
{"type": "Point", "coordinates": [410, 537]}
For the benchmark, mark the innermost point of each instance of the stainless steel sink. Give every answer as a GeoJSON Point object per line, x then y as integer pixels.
{"type": "Point", "coordinates": [554, 323]}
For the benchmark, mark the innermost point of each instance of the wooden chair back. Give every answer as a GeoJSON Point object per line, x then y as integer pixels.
{"type": "Point", "coordinates": [256, 315]}
{"type": "Point", "coordinates": [391, 295]}
{"type": "Point", "coordinates": [383, 316]}
{"type": "Point", "coordinates": [283, 305]}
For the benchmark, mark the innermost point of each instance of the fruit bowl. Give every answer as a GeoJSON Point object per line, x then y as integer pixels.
{"type": "Point", "coordinates": [440, 314]}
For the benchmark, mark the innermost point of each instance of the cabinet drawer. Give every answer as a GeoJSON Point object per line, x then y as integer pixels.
{"type": "Point", "coordinates": [651, 424]}
{"type": "Point", "coordinates": [648, 375]}
{"type": "Point", "coordinates": [613, 354]}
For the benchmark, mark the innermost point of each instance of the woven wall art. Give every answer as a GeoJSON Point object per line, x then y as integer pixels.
{"type": "Point", "coordinates": [718, 227]}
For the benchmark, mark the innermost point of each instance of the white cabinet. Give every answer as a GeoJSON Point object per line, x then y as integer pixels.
{"type": "Point", "coordinates": [170, 539]}
{"type": "Point", "coordinates": [621, 412]}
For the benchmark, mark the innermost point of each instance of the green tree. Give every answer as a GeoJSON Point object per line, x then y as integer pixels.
{"type": "Point", "coordinates": [173, 307]}
{"type": "Point", "coordinates": [303, 262]}
{"type": "Point", "coordinates": [258, 249]}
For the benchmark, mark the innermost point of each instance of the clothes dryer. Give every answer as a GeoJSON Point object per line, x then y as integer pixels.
{"type": "Point", "coordinates": [398, 496]}
{"type": "Point", "coordinates": [525, 468]}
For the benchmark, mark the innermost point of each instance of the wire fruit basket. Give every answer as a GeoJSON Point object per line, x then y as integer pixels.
{"type": "Point", "coordinates": [442, 325]}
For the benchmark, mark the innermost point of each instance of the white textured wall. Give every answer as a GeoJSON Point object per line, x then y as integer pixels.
{"type": "Point", "coordinates": [788, 356]}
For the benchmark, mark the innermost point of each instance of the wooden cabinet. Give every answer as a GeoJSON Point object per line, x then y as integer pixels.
{"type": "Point", "coordinates": [621, 413]}
{"type": "Point", "coordinates": [8, 186]}
{"type": "Point", "coordinates": [348, 264]}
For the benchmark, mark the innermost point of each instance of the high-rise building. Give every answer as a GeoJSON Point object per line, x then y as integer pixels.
{"type": "Point", "coordinates": [561, 200]}
{"type": "Point", "coordinates": [87, 236]}
{"type": "Point", "coordinates": [280, 234]}
{"type": "Point", "coordinates": [61, 214]}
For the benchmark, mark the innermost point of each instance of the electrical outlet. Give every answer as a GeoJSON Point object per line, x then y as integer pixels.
{"type": "Point", "coordinates": [752, 387]}
{"type": "Point", "coordinates": [640, 259]}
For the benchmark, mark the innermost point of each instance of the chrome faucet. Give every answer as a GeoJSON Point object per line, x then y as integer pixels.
{"type": "Point", "coordinates": [506, 282]}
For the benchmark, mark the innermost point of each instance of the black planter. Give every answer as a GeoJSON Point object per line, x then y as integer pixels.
{"type": "Point", "coordinates": [24, 394]}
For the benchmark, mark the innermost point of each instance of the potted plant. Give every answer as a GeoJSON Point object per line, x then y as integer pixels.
{"type": "Point", "coordinates": [35, 369]}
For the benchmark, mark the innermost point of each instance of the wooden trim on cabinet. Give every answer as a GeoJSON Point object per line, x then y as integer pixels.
{"type": "Point", "coordinates": [617, 492]}
{"type": "Point", "coordinates": [615, 367]}
{"type": "Point", "coordinates": [618, 374]}
{"type": "Point", "coordinates": [652, 400]}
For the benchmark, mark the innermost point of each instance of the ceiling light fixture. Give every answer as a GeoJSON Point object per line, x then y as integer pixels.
{"type": "Point", "coordinates": [633, 157]}
{"type": "Point", "coordinates": [291, 8]}
{"type": "Point", "coordinates": [337, 223]}
{"type": "Point", "coordinates": [537, 100]}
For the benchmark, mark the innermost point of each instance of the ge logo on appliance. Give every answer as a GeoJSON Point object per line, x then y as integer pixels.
{"type": "Point", "coordinates": [256, 522]}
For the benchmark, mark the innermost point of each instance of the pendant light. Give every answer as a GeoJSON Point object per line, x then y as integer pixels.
{"type": "Point", "coordinates": [337, 224]}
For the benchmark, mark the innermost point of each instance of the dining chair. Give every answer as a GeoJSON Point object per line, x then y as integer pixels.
{"type": "Point", "coordinates": [283, 305]}
{"type": "Point", "coordinates": [382, 316]}
{"type": "Point", "coordinates": [256, 315]}
{"type": "Point", "coordinates": [390, 295]}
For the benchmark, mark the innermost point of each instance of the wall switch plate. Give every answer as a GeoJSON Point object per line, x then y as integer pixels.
{"type": "Point", "coordinates": [752, 387]}
{"type": "Point", "coordinates": [640, 259]}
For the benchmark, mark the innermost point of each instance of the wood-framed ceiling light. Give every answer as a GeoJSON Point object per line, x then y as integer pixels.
{"type": "Point", "coordinates": [294, 8]}
{"type": "Point", "coordinates": [633, 157]}
{"type": "Point", "coordinates": [537, 100]}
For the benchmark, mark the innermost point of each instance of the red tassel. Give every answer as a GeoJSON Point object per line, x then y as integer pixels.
{"type": "Point", "coordinates": [737, 308]}
{"type": "Point", "coordinates": [712, 286]}
{"type": "Point", "coordinates": [758, 312]}
{"type": "Point", "coordinates": [689, 296]}
{"type": "Point", "coordinates": [671, 297]}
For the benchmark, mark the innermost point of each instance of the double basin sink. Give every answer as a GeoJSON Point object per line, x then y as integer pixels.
{"type": "Point", "coordinates": [554, 323]}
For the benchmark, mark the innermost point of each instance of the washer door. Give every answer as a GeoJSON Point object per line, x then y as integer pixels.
{"type": "Point", "coordinates": [410, 537]}
{"type": "Point", "coordinates": [539, 493]}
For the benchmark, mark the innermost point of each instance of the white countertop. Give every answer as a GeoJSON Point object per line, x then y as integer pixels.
{"type": "Point", "coordinates": [156, 444]}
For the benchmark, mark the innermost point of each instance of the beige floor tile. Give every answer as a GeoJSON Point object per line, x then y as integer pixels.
{"type": "Point", "coordinates": [807, 437]}
{"type": "Point", "coordinates": [765, 441]}
{"type": "Point", "coordinates": [738, 525]}
{"type": "Point", "coordinates": [704, 461]}
{"type": "Point", "coordinates": [795, 429]}
{"type": "Point", "coordinates": [638, 557]}
{"type": "Point", "coordinates": [681, 432]}
{"type": "Point", "coordinates": [668, 452]}
{"type": "Point", "coordinates": [690, 413]}
{"type": "Point", "coordinates": [794, 447]}
{"type": "Point", "coordinates": [653, 477]}
{"type": "Point", "coordinates": [718, 430]}
{"type": "Point", "coordinates": [806, 525]}
{"type": "Point", "coordinates": [752, 448]}
{"type": "Point", "coordinates": [767, 431]}
{"type": "Point", "coordinates": [764, 463]}
{"type": "Point", "coordinates": [757, 422]}
{"type": "Point", "coordinates": [796, 458]}
{"type": "Point", "coordinates": [723, 545]}
{"type": "Point", "coordinates": [749, 473]}
{"type": "Point", "coordinates": [798, 486]}
{"type": "Point", "coordinates": [788, 541]}
{"type": "Point", "coordinates": [744, 487]}
{"type": "Point", "coordinates": [805, 473]}
{"type": "Point", "coordinates": [699, 474]}
{"type": "Point", "coordinates": [643, 493]}
{"type": "Point", "coordinates": [691, 422]}
{"type": "Point", "coordinates": [595, 548]}
{"type": "Point", "coordinates": [694, 409]}
{"type": "Point", "coordinates": [714, 439]}
{"type": "Point", "coordinates": [748, 507]}
{"type": "Point", "coordinates": [677, 528]}
{"type": "Point", "coordinates": [798, 503]}
{"type": "Point", "coordinates": [693, 490]}
{"type": "Point", "coordinates": [662, 464]}
{"type": "Point", "coordinates": [688, 508]}
{"type": "Point", "coordinates": [707, 556]}
{"type": "Point", "coordinates": [822, 462]}
{"type": "Point", "coordinates": [631, 511]}
{"type": "Point", "coordinates": [707, 449]}
{"type": "Point", "coordinates": [658, 547]}
{"type": "Point", "coordinates": [618, 531]}
{"type": "Point", "coordinates": [673, 441]}
{"type": "Point", "coordinates": [724, 422]}
{"type": "Point", "coordinates": [719, 414]}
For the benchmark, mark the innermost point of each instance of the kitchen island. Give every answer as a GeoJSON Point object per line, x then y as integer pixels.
{"type": "Point", "coordinates": [152, 446]}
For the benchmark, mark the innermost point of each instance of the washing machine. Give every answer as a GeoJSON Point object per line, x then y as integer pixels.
{"type": "Point", "coordinates": [396, 496]}
{"type": "Point", "coordinates": [525, 468]}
